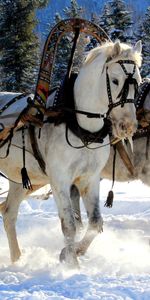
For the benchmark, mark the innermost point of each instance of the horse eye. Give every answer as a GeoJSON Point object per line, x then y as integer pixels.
{"type": "Point", "coordinates": [115, 81]}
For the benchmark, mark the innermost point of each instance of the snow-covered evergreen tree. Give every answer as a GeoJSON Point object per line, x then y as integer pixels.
{"type": "Point", "coordinates": [62, 57]}
{"type": "Point", "coordinates": [92, 41]}
{"type": "Point", "coordinates": [76, 11]}
{"type": "Point", "coordinates": [105, 20]}
{"type": "Point", "coordinates": [19, 44]}
{"type": "Point", "coordinates": [65, 45]}
{"type": "Point", "coordinates": [145, 71]}
{"type": "Point", "coordinates": [117, 21]}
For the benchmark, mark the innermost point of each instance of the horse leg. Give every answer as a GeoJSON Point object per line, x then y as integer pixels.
{"type": "Point", "coordinates": [9, 209]}
{"type": "Point", "coordinates": [75, 200]}
{"type": "Point", "coordinates": [95, 221]}
{"type": "Point", "coordinates": [63, 201]}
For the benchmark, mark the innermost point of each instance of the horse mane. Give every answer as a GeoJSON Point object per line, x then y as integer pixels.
{"type": "Point", "coordinates": [125, 52]}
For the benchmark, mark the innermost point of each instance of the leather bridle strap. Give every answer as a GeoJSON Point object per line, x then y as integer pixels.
{"type": "Point", "coordinates": [125, 89]}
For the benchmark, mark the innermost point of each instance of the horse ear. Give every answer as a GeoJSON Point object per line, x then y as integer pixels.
{"type": "Point", "coordinates": [117, 49]}
{"type": "Point", "coordinates": [138, 47]}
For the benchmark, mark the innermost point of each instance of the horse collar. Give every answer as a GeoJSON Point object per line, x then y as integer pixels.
{"type": "Point", "coordinates": [66, 97]}
{"type": "Point", "coordinates": [86, 136]}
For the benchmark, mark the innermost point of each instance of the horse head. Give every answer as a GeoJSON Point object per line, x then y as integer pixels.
{"type": "Point", "coordinates": [107, 83]}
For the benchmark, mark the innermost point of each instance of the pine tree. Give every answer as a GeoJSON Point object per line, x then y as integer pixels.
{"type": "Point", "coordinates": [117, 21]}
{"type": "Point", "coordinates": [105, 20]}
{"type": "Point", "coordinates": [62, 57]}
{"type": "Point", "coordinates": [19, 44]}
{"type": "Point", "coordinates": [145, 71]}
{"type": "Point", "coordinates": [92, 43]}
{"type": "Point", "coordinates": [76, 11]}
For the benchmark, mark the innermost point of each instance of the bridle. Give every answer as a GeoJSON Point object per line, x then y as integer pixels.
{"type": "Point", "coordinates": [123, 93]}
{"type": "Point", "coordinates": [125, 89]}
{"type": "Point", "coordinates": [88, 137]}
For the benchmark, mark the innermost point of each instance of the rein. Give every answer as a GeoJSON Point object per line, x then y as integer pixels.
{"type": "Point", "coordinates": [12, 101]}
{"type": "Point", "coordinates": [4, 176]}
{"type": "Point", "coordinates": [52, 111]}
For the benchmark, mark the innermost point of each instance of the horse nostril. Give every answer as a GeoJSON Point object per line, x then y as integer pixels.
{"type": "Point", "coordinates": [131, 128]}
{"type": "Point", "coordinates": [122, 126]}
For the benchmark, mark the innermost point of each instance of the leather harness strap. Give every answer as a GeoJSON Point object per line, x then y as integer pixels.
{"type": "Point", "coordinates": [125, 157]}
{"type": "Point", "coordinates": [35, 148]}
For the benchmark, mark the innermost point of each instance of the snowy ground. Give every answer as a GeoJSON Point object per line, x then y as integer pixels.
{"type": "Point", "coordinates": [116, 266]}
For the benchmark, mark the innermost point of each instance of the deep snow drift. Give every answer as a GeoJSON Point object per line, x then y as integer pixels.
{"type": "Point", "coordinates": [116, 266]}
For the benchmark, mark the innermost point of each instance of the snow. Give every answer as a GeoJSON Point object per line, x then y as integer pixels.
{"type": "Point", "coordinates": [116, 266]}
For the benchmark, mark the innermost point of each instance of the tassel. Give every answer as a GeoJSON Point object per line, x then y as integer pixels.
{"type": "Point", "coordinates": [25, 179]}
{"type": "Point", "coordinates": [109, 201]}
{"type": "Point", "coordinates": [110, 197]}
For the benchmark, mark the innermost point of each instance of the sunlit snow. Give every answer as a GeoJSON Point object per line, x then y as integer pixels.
{"type": "Point", "coordinates": [116, 266]}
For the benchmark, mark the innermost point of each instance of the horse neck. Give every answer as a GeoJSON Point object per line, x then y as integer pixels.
{"type": "Point", "coordinates": [90, 94]}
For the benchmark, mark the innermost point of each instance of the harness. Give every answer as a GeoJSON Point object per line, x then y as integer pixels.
{"type": "Point", "coordinates": [65, 100]}
{"type": "Point", "coordinates": [65, 112]}
{"type": "Point", "coordinates": [5, 131]}
{"type": "Point", "coordinates": [143, 120]}
{"type": "Point", "coordinates": [125, 89]}
{"type": "Point", "coordinates": [70, 117]}
{"type": "Point", "coordinates": [144, 88]}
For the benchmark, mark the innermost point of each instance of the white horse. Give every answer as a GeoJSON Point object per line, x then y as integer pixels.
{"type": "Point", "coordinates": [99, 88]}
{"type": "Point", "coordinates": [140, 156]}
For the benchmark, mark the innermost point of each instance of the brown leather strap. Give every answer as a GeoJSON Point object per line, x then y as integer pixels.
{"type": "Point", "coordinates": [125, 157]}
{"type": "Point", "coordinates": [35, 148]}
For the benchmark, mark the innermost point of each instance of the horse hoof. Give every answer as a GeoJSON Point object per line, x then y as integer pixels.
{"type": "Point", "coordinates": [69, 258]}
{"type": "Point", "coordinates": [80, 250]}
{"type": "Point", "coordinates": [15, 257]}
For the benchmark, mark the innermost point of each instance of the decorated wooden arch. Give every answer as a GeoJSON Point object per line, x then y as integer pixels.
{"type": "Point", "coordinates": [74, 25]}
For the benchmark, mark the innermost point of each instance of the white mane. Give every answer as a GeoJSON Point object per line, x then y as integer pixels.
{"type": "Point", "coordinates": [114, 50]}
